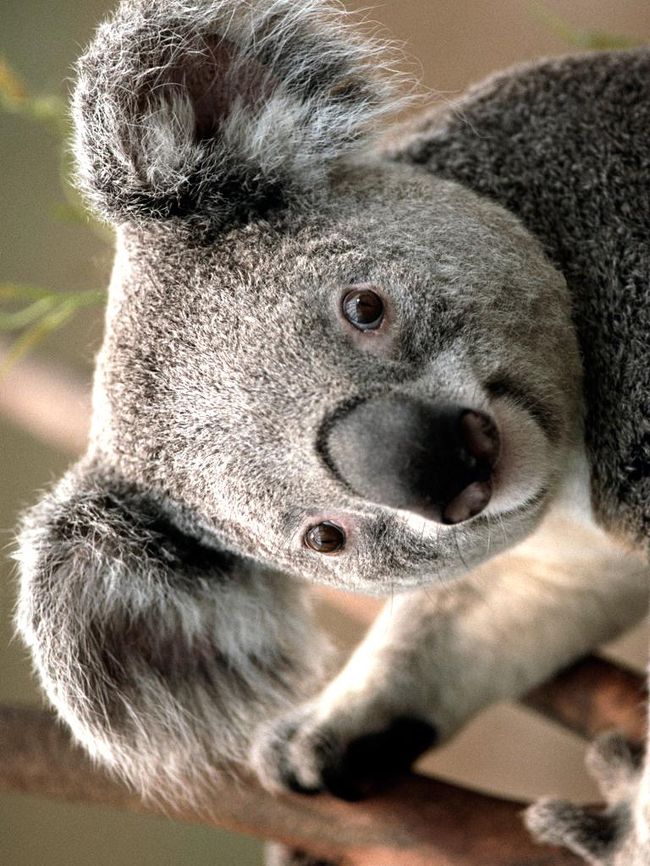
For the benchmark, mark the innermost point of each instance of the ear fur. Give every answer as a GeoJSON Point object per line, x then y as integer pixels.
{"type": "Point", "coordinates": [161, 651]}
{"type": "Point", "coordinates": [219, 108]}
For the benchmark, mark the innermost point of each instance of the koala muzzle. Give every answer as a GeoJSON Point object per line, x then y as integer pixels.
{"type": "Point", "coordinates": [407, 453]}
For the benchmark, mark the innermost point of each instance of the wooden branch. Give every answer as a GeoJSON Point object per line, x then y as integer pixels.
{"type": "Point", "coordinates": [593, 696]}
{"type": "Point", "coordinates": [419, 822]}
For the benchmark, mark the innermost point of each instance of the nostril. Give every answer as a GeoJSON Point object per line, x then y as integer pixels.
{"type": "Point", "coordinates": [469, 502]}
{"type": "Point", "coordinates": [480, 438]}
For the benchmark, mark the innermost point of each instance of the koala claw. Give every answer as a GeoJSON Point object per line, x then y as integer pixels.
{"type": "Point", "coordinates": [609, 837]}
{"type": "Point", "coordinates": [309, 757]}
{"type": "Point", "coordinates": [280, 855]}
{"type": "Point", "coordinates": [373, 760]}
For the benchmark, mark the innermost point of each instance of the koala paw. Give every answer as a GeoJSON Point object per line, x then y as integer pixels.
{"type": "Point", "coordinates": [307, 754]}
{"type": "Point", "coordinates": [607, 838]}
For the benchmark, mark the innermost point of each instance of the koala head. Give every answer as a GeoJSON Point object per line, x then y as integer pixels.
{"type": "Point", "coordinates": [340, 366]}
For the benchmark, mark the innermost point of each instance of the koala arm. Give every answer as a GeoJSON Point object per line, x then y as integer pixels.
{"type": "Point", "coordinates": [435, 658]}
{"type": "Point", "coordinates": [161, 651]}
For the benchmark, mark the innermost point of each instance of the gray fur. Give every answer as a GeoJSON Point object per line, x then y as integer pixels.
{"type": "Point", "coordinates": [231, 145]}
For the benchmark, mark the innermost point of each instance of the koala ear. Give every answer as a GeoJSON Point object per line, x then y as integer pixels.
{"type": "Point", "coordinates": [221, 108]}
{"type": "Point", "coordinates": [161, 650]}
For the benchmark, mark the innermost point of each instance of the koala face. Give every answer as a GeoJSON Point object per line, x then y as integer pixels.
{"type": "Point", "coordinates": [347, 369]}
{"type": "Point", "coordinates": [234, 380]}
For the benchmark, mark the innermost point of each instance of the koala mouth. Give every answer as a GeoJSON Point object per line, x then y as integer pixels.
{"type": "Point", "coordinates": [407, 453]}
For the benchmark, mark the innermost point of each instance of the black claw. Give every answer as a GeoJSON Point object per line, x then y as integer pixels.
{"type": "Point", "coordinates": [339, 784]}
{"type": "Point", "coordinates": [280, 855]}
{"type": "Point", "coordinates": [396, 748]}
{"type": "Point", "coordinates": [372, 762]}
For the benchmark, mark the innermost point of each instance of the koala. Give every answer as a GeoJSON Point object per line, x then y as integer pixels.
{"type": "Point", "coordinates": [395, 358]}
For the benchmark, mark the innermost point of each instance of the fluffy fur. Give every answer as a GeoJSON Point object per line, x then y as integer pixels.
{"type": "Point", "coordinates": [162, 585]}
{"type": "Point", "coordinates": [160, 650]}
{"type": "Point", "coordinates": [211, 109]}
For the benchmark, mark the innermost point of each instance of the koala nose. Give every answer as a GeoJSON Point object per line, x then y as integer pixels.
{"type": "Point", "coordinates": [402, 452]}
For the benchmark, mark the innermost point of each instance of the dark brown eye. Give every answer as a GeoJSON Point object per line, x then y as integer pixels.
{"type": "Point", "coordinates": [325, 537]}
{"type": "Point", "coordinates": [363, 308]}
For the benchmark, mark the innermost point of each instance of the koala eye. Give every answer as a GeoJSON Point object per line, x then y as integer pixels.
{"type": "Point", "coordinates": [326, 537]}
{"type": "Point", "coordinates": [363, 308]}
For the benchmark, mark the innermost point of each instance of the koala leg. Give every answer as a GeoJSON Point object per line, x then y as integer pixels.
{"type": "Point", "coordinates": [434, 658]}
{"type": "Point", "coordinates": [620, 834]}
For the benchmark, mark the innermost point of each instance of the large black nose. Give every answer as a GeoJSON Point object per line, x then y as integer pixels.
{"type": "Point", "coordinates": [407, 453]}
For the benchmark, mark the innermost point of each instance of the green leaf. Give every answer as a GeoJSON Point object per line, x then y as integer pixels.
{"type": "Point", "coordinates": [31, 310]}
{"type": "Point", "coordinates": [16, 98]}
{"type": "Point", "coordinates": [44, 312]}
{"type": "Point", "coordinates": [19, 291]}
{"type": "Point", "coordinates": [21, 318]}
{"type": "Point", "coordinates": [63, 305]}
{"type": "Point", "coordinates": [50, 110]}
{"type": "Point", "coordinates": [35, 335]}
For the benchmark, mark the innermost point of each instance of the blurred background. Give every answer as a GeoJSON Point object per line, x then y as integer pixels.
{"type": "Point", "coordinates": [43, 246]}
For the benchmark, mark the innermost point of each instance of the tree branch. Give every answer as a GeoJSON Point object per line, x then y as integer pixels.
{"type": "Point", "coordinates": [419, 822]}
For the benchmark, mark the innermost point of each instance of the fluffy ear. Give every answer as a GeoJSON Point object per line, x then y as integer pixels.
{"type": "Point", "coordinates": [221, 108]}
{"type": "Point", "coordinates": [159, 649]}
